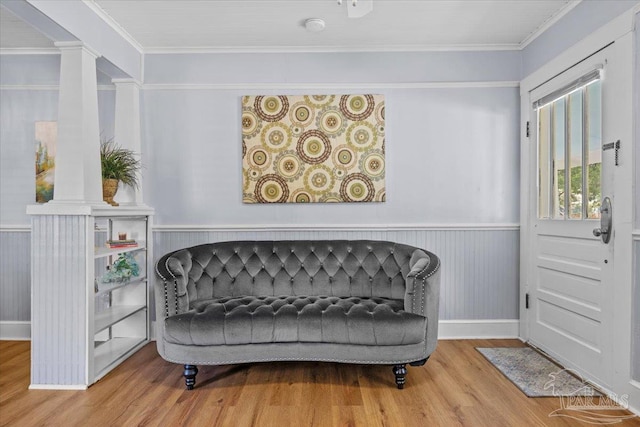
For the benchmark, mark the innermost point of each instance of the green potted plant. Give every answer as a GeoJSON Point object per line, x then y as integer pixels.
{"type": "Point", "coordinates": [118, 165]}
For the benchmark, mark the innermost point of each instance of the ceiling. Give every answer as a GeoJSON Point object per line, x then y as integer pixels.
{"type": "Point", "coordinates": [278, 25]}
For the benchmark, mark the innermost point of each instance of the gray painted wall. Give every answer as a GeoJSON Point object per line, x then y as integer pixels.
{"type": "Point", "coordinates": [29, 69]}
{"type": "Point", "coordinates": [19, 110]}
{"type": "Point", "coordinates": [452, 157]}
{"type": "Point", "coordinates": [467, 134]}
{"type": "Point", "coordinates": [15, 275]}
{"type": "Point", "coordinates": [636, 73]}
{"type": "Point", "coordinates": [348, 67]}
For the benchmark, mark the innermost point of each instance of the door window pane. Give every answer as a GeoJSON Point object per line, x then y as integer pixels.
{"type": "Point", "coordinates": [575, 126]}
{"type": "Point", "coordinates": [570, 155]}
{"type": "Point", "coordinates": [558, 144]}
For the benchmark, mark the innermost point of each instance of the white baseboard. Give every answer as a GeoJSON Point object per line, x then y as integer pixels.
{"type": "Point", "coordinates": [447, 329]}
{"type": "Point", "coordinates": [57, 387]}
{"type": "Point", "coordinates": [15, 330]}
{"type": "Point", "coordinates": [478, 329]}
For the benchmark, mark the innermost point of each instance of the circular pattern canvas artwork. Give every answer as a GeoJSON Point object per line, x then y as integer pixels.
{"type": "Point", "coordinates": [313, 148]}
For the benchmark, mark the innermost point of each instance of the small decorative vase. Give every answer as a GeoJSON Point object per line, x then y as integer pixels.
{"type": "Point", "coordinates": [109, 190]}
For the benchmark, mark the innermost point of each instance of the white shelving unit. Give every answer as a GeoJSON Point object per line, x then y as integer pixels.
{"type": "Point", "coordinates": [83, 327]}
{"type": "Point", "coordinates": [121, 308]}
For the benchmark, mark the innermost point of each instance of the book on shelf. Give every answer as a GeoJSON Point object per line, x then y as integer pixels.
{"type": "Point", "coordinates": [112, 244]}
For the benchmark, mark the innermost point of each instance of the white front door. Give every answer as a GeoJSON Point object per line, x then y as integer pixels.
{"type": "Point", "coordinates": [572, 169]}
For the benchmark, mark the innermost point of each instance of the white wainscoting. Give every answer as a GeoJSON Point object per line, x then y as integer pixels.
{"type": "Point", "coordinates": [479, 281]}
{"type": "Point", "coordinates": [635, 349]}
{"type": "Point", "coordinates": [15, 280]}
{"type": "Point", "coordinates": [480, 262]}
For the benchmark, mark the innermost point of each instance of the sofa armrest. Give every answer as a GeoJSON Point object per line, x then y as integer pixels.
{"type": "Point", "coordinates": [171, 291]}
{"type": "Point", "coordinates": [422, 295]}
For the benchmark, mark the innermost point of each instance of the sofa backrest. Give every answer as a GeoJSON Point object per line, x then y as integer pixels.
{"type": "Point", "coordinates": [332, 267]}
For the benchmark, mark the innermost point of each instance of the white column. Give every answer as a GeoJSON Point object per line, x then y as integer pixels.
{"type": "Point", "coordinates": [78, 178]}
{"type": "Point", "coordinates": [127, 134]}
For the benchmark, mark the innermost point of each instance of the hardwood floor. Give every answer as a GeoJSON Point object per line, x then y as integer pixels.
{"type": "Point", "coordinates": [457, 387]}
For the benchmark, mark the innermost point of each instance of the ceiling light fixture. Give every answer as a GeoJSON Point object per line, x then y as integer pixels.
{"type": "Point", "coordinates": [314, 25]}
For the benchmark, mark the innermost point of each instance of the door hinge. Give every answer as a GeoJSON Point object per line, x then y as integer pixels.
{"type": "Point", "coordinates": [526, 301]}
{"type": "Point", "coordinates": [528, 129]}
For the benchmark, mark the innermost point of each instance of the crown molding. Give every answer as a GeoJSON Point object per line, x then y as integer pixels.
{"type": "Point", "coordinates": [548, 23]}
{"type": "Point", "coordinates": [331, 49]}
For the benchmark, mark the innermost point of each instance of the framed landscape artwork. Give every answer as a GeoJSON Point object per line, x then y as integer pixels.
{"type": "Point", "coordinates": [45, 136]}
{"type": "Point", "coordinates": [313, 148]}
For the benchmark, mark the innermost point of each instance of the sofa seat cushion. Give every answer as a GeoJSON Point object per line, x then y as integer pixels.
{"type": "Point", "coordinates": [314, 319]}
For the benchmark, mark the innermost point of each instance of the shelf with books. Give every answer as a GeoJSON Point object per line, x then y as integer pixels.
{"type": "Point", "coordinates": [114, 244]}
{"type": "Point", "coordinates": [101, 252]}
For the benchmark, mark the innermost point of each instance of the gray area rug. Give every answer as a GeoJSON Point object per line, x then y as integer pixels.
{"type": "Point", "coordinates": [534, 374]}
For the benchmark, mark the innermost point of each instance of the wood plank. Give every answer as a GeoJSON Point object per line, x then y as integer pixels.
{"type": "Point", "coordinates": [457, 387]}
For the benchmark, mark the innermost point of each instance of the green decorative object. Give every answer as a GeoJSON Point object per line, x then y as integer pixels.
{"type": "Point", "coordinates": [123, 268]}
{"type": "Point", "coordinates": [118, 164]}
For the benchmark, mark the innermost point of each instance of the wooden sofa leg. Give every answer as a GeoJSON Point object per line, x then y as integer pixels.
{"type": "Point", "coordinates": [400, 371]}
{"type": "Point", "coordinates": [190, 372]}
{"type": "Point", "coordinates": [419, 362]}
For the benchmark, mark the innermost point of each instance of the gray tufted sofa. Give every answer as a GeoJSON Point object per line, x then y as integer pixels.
{"type": "Point", "coordinates": [337, 301]}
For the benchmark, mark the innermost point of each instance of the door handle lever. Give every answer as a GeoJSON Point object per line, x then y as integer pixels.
{"type": "Point", "coordinates": [599, 232]}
